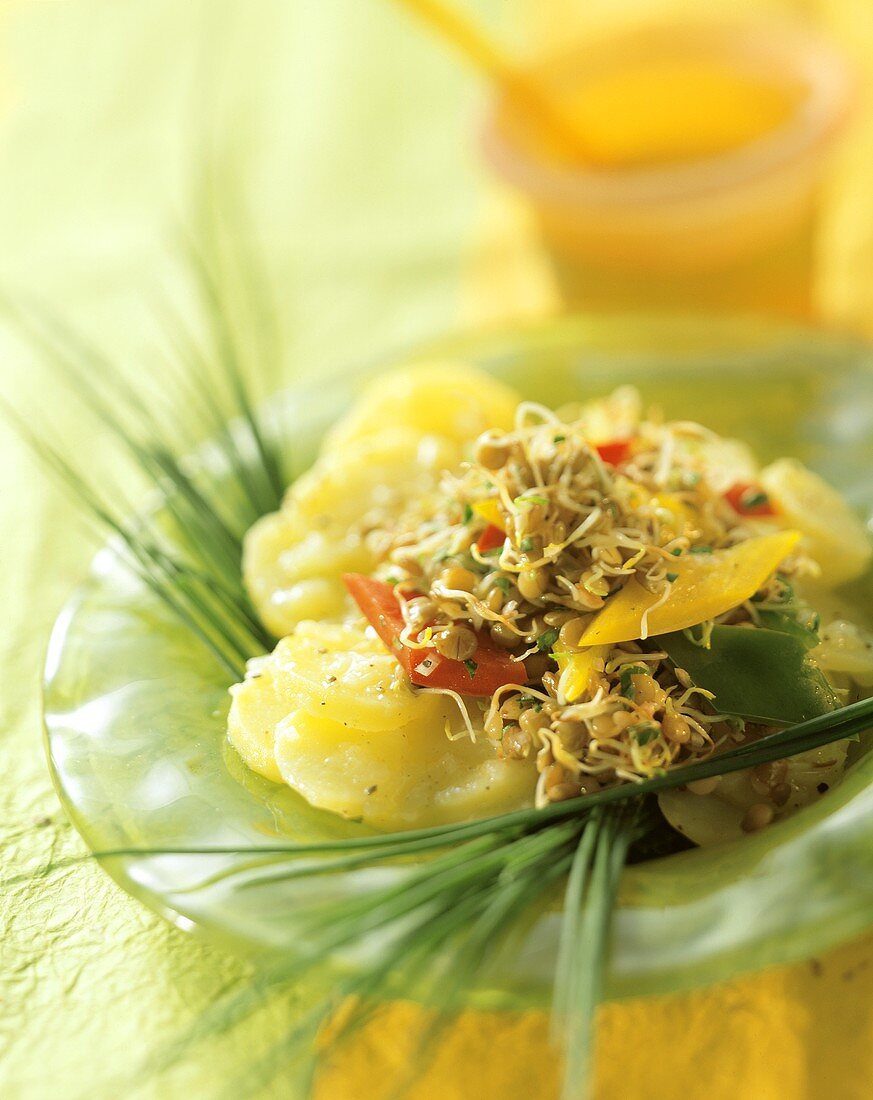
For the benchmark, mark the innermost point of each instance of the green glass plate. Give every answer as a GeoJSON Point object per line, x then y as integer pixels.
{"type": "Point", "coordinates": [135, 710]}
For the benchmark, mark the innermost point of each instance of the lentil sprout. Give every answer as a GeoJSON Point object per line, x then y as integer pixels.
{"type": "Point", "coordinates": [577, 528]}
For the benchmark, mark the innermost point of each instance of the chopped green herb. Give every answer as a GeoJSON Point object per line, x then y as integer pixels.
{"type": "Point", "coordinates": [787, 593]}
{"type": "Point", "coordinates": [468, 513]}
{"type": "Point", "coordinates": [627, 685]}
{"type": "Point", "coordinates": [683, 479]}
{"type": "Point", "coordinates": [753, 498]}
{"type": "Point", "coordinates": [644, 733]}
{"type": "Point", "coordinates": [533, 704]}
{"type": "Point", "coordinates": [527, 545]}
{"type": "Point", "coordinates": [700, 550]}
{"type": "Point", "coordinates": [546, 640]}
{"type": "Point", "coordinates": [471, 666]}
{"type": "Point", "coordinates": [502, 583]}
{"type": "Point", "coordinates": [672, 577]}
{"type": "Point", "coordinates": [531, 498]}
{"type": "Point", "coordinates": [559, 439]}
{"type": "Point", "coordinates": [392, 581]}
{"type": "Point", "coordinates": [676, 551]}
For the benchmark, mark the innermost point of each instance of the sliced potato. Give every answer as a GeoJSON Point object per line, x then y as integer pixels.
{"type": "Point", "coordinates": [449, 399]}
{"type": "Point", "coordinates": [379, 473]}
{"type": "Point", "coordinates": [344, 672]}
{"type": "Point", "coordinates": [330, 713]}
{"type": "Point", "coordinates": [293, 559]}
{"type": "Point", "coordinates": [723, 462]}
{"type": "Point", "coordinates": [258, 703]}
{"type": "Point", "coordinates": [293, 575]}
{"type": "Point", "coordinates": [400, 778]}
{"type": "Point", "coordinates": [409, 427]}
{"type": "Point", "coordinates": [717, 817]}
{"type": "Point", "coordinates": [704, 819]}
{"type": "Point", "coordinates": [846, 649]}
{"type": "Point", "coordinates": [833, 534]}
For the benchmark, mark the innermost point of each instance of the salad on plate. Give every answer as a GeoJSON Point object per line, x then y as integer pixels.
{"type": "Point", "coordinates": [486, 604]}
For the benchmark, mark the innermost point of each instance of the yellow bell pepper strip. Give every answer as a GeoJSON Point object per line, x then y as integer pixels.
{"type": "Point", "coordinates": [676, 507]}
{"type": "Point", "coordinates": [764, 675]}
{"type": "Point", "coordinates": [670, 503]}
{"type": "Point", "coordinates": [489, 510]}
{"type": "Point", "coordinates": [494, 534]}
{"type": "Point", "coordinates": [576, 668]}
{"type": "Point", "coordinates": [706, 585]}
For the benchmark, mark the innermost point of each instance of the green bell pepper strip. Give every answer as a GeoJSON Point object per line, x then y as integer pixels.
{"type": "Point", "coordinates": [760, 674]}
{"type": "Point", "coordinates": [789, 624]}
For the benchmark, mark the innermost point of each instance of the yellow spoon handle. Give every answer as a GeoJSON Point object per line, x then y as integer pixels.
{"type": "Point", "coordinates": [468, 39]}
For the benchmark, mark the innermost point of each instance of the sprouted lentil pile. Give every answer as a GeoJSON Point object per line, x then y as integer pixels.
{"type": "Point", "coordinates": [529, 542]}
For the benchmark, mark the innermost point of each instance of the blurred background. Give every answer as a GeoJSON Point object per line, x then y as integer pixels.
{"type": "Point", "coordinates": [356, 138]}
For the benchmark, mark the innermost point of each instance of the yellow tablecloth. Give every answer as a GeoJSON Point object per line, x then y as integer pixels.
{"type": "Point", "coordinates": [352, 132]}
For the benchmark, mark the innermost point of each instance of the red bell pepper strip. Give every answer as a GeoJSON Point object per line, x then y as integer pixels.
{"type": "Point", "coordinates": [490, 539]}
{"type": "Point", "coordinates": [749, 500]}
{"type": "Point", "coordinates": [615, 452]}
{"type": "Point", "coordinates": [489, 669]}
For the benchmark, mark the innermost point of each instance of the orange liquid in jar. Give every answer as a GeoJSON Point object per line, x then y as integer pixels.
{"type": "Point", "coordinates": [670, 112]}
{"type": "Point", "coordinates": [648, 122]}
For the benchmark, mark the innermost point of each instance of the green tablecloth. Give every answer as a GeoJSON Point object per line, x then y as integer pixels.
{"type": "Point", "coordinates": [350, 129]}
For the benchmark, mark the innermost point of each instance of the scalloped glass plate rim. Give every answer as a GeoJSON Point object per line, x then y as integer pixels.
{"type": "Point", "coordinates": [656, 902]}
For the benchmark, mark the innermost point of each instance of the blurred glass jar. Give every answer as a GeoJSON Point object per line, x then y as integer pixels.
{"type": "Point", "coordinates": [707, 144]}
